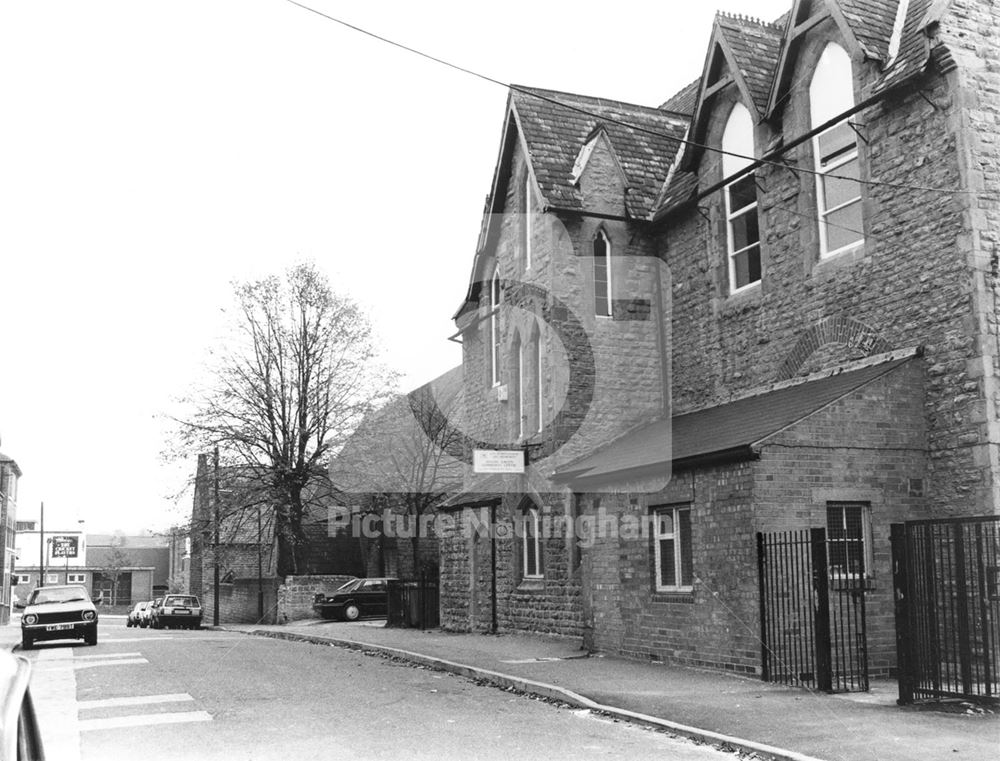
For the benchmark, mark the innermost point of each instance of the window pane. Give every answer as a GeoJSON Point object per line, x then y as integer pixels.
{"type": "Point", "coordinates": [742, 193]}
{"type": "Point", "coordinates": [668, 577]}
{"type": "Point", "coordinates": [666, 521]}
{"type": "Point", "coordinates": [601, 289]}
{"type": "Point", "coordinates": [837, 191]}
{"type": "Point", "coordinates": [746, 265]}
{"type": "Point", "coordinates": [835, 141]}
{"type": "Point", "coordinates": [844, 226]}
{"type": "Point", "coordinates": [745, 230]}
{"type": "Point", "coordinates": [684, 524]}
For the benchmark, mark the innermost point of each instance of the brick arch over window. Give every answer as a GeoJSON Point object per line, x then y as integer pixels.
{"type": "Point", "coordinates": [832, 330]}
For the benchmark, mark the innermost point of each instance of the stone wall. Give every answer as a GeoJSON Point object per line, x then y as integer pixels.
{"type": "Point", "coordinates": [295, 596]}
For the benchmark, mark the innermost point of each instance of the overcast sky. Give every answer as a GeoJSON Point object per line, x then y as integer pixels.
{"type": "Point", "coordinates": [152, 152]}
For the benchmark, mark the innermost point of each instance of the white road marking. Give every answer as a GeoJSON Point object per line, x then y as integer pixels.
{"type": "Point", "coordinates": [138, 700]}
{"type": "Point", "coordinates": [54, 696]}
{"type": "Point", "coordinates": [105, 656]}
{"type": "Point", "coordinates": [115, 662]}
{"type": "Point", "coordinates": [143, 720]}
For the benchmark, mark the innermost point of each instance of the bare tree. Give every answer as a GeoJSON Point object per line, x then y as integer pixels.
{"type": "Point", "coordinates": [296, 376]}
{"type": "Point", "coordinates": [116, 561]}
{"type": "Point", "coordinates": [405, 457]}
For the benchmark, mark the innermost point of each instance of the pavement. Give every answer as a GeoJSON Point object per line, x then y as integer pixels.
{"type": "Point", "coordinates": [729, 711]}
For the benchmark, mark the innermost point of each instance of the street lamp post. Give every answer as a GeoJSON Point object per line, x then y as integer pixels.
{"type": "Point", "coordinates": [260, 571]}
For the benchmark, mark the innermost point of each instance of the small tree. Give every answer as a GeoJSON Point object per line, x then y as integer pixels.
{"type": "Point", "coordinates": [297, 374]}
{"type": "Point", "coordinates": [116, 561]}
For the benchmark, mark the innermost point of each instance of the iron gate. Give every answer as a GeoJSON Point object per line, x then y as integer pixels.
{"type": "Point", "coordinates": [813, 629]}
{"type": "Point", "coordinates": [946, 575]}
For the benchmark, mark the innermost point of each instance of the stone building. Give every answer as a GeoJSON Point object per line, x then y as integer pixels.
{"type": "Point", "coordinates": [9, 475]}
{"type": "Point", "coordinates": [776, 297]}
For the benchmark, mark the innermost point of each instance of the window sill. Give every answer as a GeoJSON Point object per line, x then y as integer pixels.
{"type": "Point", "coordinates": [746, 292]}
{"type": "Point", "coordinates": [674, 596]}
{"type": "Point", "coordinates": [830, 263]}
{"type": "Point", "coordinates": [532, 584]}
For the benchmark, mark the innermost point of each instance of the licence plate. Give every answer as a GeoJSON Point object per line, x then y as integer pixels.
{"type": "Point", "coordinates": [58, 627]}
{"type": "Point", "coordinates": [181, 611]}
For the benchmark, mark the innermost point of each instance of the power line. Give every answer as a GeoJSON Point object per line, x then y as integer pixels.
{"type": "Point", "coordinates": [622, 122]}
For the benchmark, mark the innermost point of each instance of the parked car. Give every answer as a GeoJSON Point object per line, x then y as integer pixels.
{"type": "Point", "coordinates": [145, 615]}
{"type": "Point", "coordinates": [357, 598]}
{"type": "Point", "coordinates": [181, 611]}
{"type": "Point", "coordinates": [133, 615]}
{"type": "Point", "coordinates": [58, 612]}
{"type": "Point", "coordinates": [20, 737]}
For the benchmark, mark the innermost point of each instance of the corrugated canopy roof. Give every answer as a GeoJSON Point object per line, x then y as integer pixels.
{"type": "Point", "coordinates": [727, 428]}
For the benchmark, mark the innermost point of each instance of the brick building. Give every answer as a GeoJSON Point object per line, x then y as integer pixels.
{"type": "Point", "coordinates": [776, 295]}
{"type": "Point", "coordinates": [9, 475]}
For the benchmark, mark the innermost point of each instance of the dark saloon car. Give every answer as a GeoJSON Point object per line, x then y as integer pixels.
{"type": "Point", "coordinates": [183, 611]}
{"type": "Point", "coordinates": [63, 612]}
{"type": "Point", "coordinates": [357, 598]}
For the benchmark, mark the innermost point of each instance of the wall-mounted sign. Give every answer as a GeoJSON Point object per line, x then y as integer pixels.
{"type": "Point", "coordinates": [498, 460]}
{"type": "Point", "coordinates": [65, 546]}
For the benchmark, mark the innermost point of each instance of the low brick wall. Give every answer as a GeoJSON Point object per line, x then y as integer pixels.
{"type": "Point", "coordinates": [295, 596]}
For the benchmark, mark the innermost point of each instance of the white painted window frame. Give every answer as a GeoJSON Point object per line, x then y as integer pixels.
{"type": "Point", "coordinates": [603, 235]}
{"type": "Point", "coordinates": [495, 328]}
{"type": "Point", "coordinates": [533, 540]}
{"type": "Point", "coordinates": [674, 536]}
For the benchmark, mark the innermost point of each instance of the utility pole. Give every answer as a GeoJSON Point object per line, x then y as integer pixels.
{"type": "Point", "coordinates": [41, 547]}
{"type": "Point", "coordinates": [215, 595]}
{"type": "Point", "coordinates": [260, 571]}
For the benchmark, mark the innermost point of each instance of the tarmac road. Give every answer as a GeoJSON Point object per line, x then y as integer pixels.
{"type": "Point", "coordinates": [168, 694]}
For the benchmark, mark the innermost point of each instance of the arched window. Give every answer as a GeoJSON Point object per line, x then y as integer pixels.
{"type": "Point", "coordinates": [518, 381]}
{"type": "Point", "coordinates": [742, 226]}
{"type": "Point", "coordinates": [495, 327]}
{"type": "Point", "coordinates": [539, 388]}
{"type": "Point", "coordinates": [531, 548]}
{"type": "Point", "coordinates": [526, 226]}
{"type": "Point", "coordinates": [838, 192]}
{"type": "Point", "coordinates": [602, 274]}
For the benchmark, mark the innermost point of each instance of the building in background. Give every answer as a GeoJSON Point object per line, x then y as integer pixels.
{"type": "Point", "coordinates": [9, 474]}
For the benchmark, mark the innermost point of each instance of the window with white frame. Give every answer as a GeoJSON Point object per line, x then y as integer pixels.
{"type": "Point", "coordinates": [742, 224]}
{"type": "Point", "coordinates": [602, 274]}
{"type": "Point", "coordinates": [518, 378]}
{"type": "Point", "coordinates": [835, 152]}
{"type": "Point", "coordinates": [672, 548]}
{"type": "Point", "coordinates": [495, 328]}
{"type": "Point", "coordinates": [24, 578]}
{"type": "Point", "coordinates": [531, 547]}
{"type": "Point", "coordinates": [76, 578]}
{"type": "Point", "coordinates": [848, 539]}
{"type": "Point", "coordinates": [52, 578]}
{"type": "Point", "coordinates": [540, 399]}
{"type": "Point", "coordinates": [527, 221]}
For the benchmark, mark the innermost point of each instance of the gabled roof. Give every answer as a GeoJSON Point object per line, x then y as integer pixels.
{"type": "Point", "coordinates": [914, 50]}
{"type": "Point", "coordinates": [872, 22]}
{"type": "Point", "coordinates": [556, 125]}
{"type": "Point", "coordinates": [754, 45]}
{"type": "Point", "coordinates": [684, 100]}
{"type": "Point", "coordinates": [726, 431]}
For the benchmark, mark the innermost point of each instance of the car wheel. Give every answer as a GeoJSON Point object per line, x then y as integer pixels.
{"type": "Point", "coordinates": [352, 612]}
{"type": "Point", "coordinates": [27, 642]}
{"type": "Point", "coordinates": [91, 637]}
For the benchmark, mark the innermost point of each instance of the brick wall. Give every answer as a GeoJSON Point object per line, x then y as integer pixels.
{"type": "Point", "coordinates": [295, 596]}
{"type": "Point", "coordinates": [239, 602]}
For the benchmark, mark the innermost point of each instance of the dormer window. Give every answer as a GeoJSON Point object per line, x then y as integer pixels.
{"type": "Point", "coordinates": [495, 327]}
{"type": "Point", "coordinates": [742, 226]}
{"type": "Point", "coordinates": [602, 274]}
{"type": "Point", "coordinates": [835, 150]}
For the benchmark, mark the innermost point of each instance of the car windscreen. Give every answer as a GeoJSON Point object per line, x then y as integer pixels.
{"type": "Point", "coordinates": [57, 594]}
{"type": "Point", "coordinates": [181, 600]}
{"type": "Point", "coordinates": [350, 586]}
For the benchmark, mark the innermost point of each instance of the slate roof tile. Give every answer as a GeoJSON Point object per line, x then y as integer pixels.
{"type": "Point", "coordinates": [555, 129]}
{"type": "Point", "coordinates": [872, 22]}
{"type": "Point", "coordinates": [913, 49]}
{"type": "Point", "coordinates": [755, 45]}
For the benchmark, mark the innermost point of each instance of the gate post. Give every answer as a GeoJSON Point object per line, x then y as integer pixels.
{"type": "Point", "coordinates": [821, 583]}
{"type": "Point", "coordinates": [765, 660]}
{"type": "Point", "coordinates": [901, 610]}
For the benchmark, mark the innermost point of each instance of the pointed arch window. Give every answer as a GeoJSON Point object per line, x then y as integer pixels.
{"type": "Point", "coordinates": [835, 152]}
{"type": "Point", "coordinates": [539, 397]}
{"type": "Point", "coordinates": [518, 380]}
{"type": "Point", "coordinates": [742, 224]}
{"type": "Point", "coordinates": [495, 327]}
{"type": "Point", "coordinates": [531, 547]}
{"type": "Point", "coordinates": [526, 221]}
{"type": "Point", "coordinates": [602, 274]}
